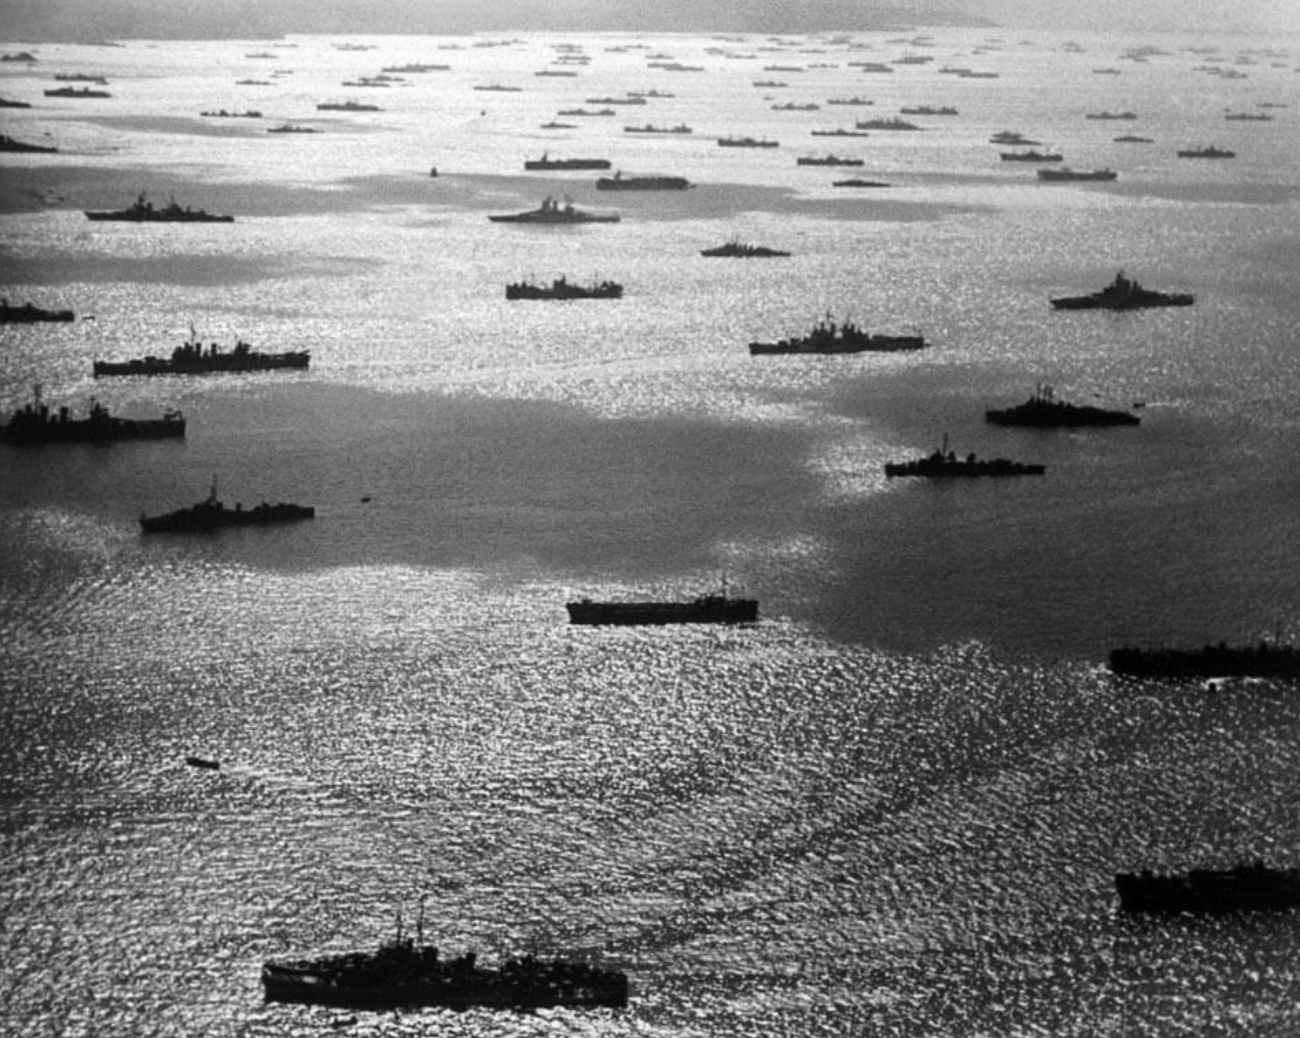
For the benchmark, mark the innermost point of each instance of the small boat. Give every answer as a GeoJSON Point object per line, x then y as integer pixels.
{"type": "Point", "coordinates": [204, 763]}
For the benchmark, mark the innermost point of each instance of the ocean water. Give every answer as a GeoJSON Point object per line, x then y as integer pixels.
{"type": "Point", "coordinates": [895, 805]}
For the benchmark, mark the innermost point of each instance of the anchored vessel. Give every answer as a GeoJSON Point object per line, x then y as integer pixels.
{"type": "Point", "coordinates": [27, 314]}
{"type": "Point", "coordinates": [34, 423]}
{"type": "Point", "coordinates": [561, 288]}
{"type": "Point", "coordinates": [546, 162]}
{"type": "Point", "coordinates": [1243, 888]}
{"type": "Point", "coordinates": [403, 974]}
{"type": "Point", "coordinates": [827, 160]}
{"type": "Point", "coordinates": [143, 211]}
{"type": "Point", "coordinates": [1031, 156]}
{"type": "Point", "coordinates": [1044, 410]}
{"type": "Point", "coordinates": [211, 514]}
{"type": "Point", "coordinates": [827, 337]}
{"type": "Point", "coordinates": [346, 106]}
{"type": "Point", "coordinates": [1210, 152]}
{"type": "Point", "coordinates": [618, 182]}
{"type": "Point", "coordinates": [1066, 173]}
{"type": "Point", "coordinates": [192, 358]}
{"type": "Point", "coordinates": [706, 609]}
{"type": "Point", "coordinates": [747, 142]}
{"type": "Point", "coordinates": [1122, 294]}
{"type": "Point", "coordinates": [8, 143]}
{"type": "Point", "coordinates": [943, 463]}
{"type": "Point", "coordinates": [1265, 660]}
{"type": "Point", "coordinates": [740, 250]}
{"type": "Point", "coordinates": [551, 211]}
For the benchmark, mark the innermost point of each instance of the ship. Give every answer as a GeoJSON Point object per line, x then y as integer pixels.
{"type": "Point", "coordinates": [1209, 152]}
{"type": "Point", "coordinates": [143, 211]}
{"type": "Point", "coordinates": [1111, 115]}
{"type": "Point", "coordinates": [827, 337]}
{"type": "Point", "coordinates": [1122, 294]}
{"type": "Point", "coordinates": [943, 464]}
{"type": "Point", "coordinates": [1066, 173]}
{"type": "Point", "coordinates": [1130, 138]}
{"type": "Point", "coordinates": [76, 92]}
{"type": "Point", "coordinates": [1044, 410]}
{"type": "Point", "coordinates": [651, 128]}
{"type": "Point", "coordinates": [291, 128]}
{"type": "Point", "coordinates": [211, 514]}
{"type": "Point", "coordinates": [1264, 660]}
{"type": "Point", "coordinates": [739, 250]}
{"type": "Point", "coordinates": [747, 142]}
{"type": "Point", "coordinates": [29, 314]}
{"type": "Point", "coordinates": [927, 110]}
{"type": "Point", "coordinates": [11, 144]}
{"type": "Point", "coordinates": [1031, 156]}
{"type": "Point", "coordinates": [849, 101]}
{"type": "Point", "coordinates": [193, 358]}
{"type": "Point", "coordinates": [618, 182]}
{"type": "Point", "coordinates": [405, 974]}
{"type": "Point", "coordinates": [1248, 117]}
{"type": "Point", "coordinates": [586, 111]}
{"type": "Point", "coordinates": [1012, 137]}
{"type": "Point", "coordinates": [858, 182]}
{"type": "Point", "coordinates": [35, 423]}
{"type": "Point", "coordinates": [551, 211]}
{"type": "Point", "coordinates": [546, 162]}
{"type": "Point", "coordinates": [347, 106]}
{"type": "Point", "coordinates": [561, 288]}
{"type": "Point", "coordinates": [718, 608]}
{"type": "Point", "coordinates": [839, 132]}
{"type": "Point", "coordinates": [827, 160]}
{"type": "Point", "coordinates": [1253, 887]}
{"type": "Point", "coordinates": [893, 123]}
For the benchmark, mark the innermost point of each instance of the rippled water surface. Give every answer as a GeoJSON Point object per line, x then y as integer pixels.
{"type": "Point", "coordinates": [895, 805]}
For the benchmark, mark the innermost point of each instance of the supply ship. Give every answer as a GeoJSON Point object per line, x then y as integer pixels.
{"type": "Point", "coordinates": [1044, 410]}
{"type": "Point", "coordinates": [1265, 660]}
{"type": "Point", "coordinates": [827, 337]}
{"type": "Point", "coordinates": [211, 514]}
{"type": "Point", "coordinates": [35, 423]}
{"type": "Point", "coordinates": [717, 608]}
{"type": "Point", "coordinates": [1122, 294]}
{"type": "Point", "coordinates": [143, 211]}
{"type": "Point", "coordinates": [1243, 888]}
{"type": "Point", "coordinates": [193, 358]}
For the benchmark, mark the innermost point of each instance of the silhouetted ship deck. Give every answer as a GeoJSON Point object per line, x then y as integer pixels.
{"type": "Point", "coordinates": [1043, 410]}
{"type": "Point", "coordinates": [193, 358]}
{"type": "Point", "coordinates": [77, 92]}
{"type": "Point", "coordinates": [1111, 115]}
{"type": "Point", "coordinates": [551, 211]}
{"type": "Point", "coordinates": [35, 423]}
{"type": "Point", "coordinates": [211, 514]}
{"type": "Point", "coordinates": [1210, 152]}
{"type": "Point", "coordinates": [747, 142]}
{"type": "Point", "coordinates": [618, 182]}
{"type": "Point", "coordinates": [739, 250]}
{"type": "Point", "coordinates": [1265, 660]}
{"type": "Point", "coordinates": [29, 314]}
{"type": "Point", "coordinates": [546, 162]}
{"type": "Point", "coordinates": [927, 110]}
{"type": "Point", "coordinates": [943, 464]}
{"type": "Point", "coordinates": [561, 288]}
{"type": "Point", "coordinates": [143, 211]}
{"type": "Point", "coordinates": [1122, 294]}
{"type": "Point", "coordinates": [681, 128]}
{"type": "Point", "coordinates": [403, 974]}
{"type": "Point", "coordinates": [828, 337]}
{"type": "Point", "coordinates": [706, 609]}
{"type": "Point", "coordinates": [858, 182]}
{"type": "Point", "coordinates": [892, 123]}
{"type": "Point", "coordinates": [346, 106]}
{"type": "Point", "coordinates": [1244, 888]}
{"type": "Point", "coordinates": [827, 160]}
{"type": "Point", "coordinates": [1031, 156]}
{"type": "Point", "coordinates": [1066, 173]}
{"type": "Point", "coordinates": [8, 143]}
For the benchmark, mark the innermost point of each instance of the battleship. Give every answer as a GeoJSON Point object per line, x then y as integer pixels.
{"type": "Point", "coordinates": [1264, 660]}
{"type": "Point", "coordinates": [1252, 887]}
{"type": "Point", "coordinates": [943, 464]}
{"type": "Point", "coordinates": [210, 514]}
{"type": "Point", "coordinates": [142, 211]}
{"type": "Point", "coordinates": [1044, 410]}
{"type": "Point", "coordinates": [551, 211]}
{"type": "Point", "coordinates": [1122, 294]}
{"type": "Point", "coordinates": [193, 358]}
{"type": "Point", "coordinates": [36, 423]}
{"type": "Point", "coordinates": [618, 182]}
{"type": "Point", "coordinates": [29, 314]}
{"type": "Point", "coordinates": [827, 337]}
{"type": "Point", "coordinates": [737, 249]}
{"type": "Point", "coordinates": [561, 288]}
{"type": "Point", "coordinates": [546, 162]}
{"type": "Point", "coordinates": [405, 973]}
{"type": "Point", "coordinates": [1066, 173]}
{"type": "Point", "coordinates": [705, 609]}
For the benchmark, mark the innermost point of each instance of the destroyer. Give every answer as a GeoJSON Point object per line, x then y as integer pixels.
{"type": "Point", "coordinates": [1043, 410]}
{"type": "Point", "coordinates": [1244, 888]}
{"type": "Point", "coordinates": [192, 358]}
{"type": "Point", "coordinates": [562, 288]}
{"type": "Point", "coordinates": [35, 423]}
{"type": "Point", "coordinates": [551, 211]}
{"type": "Point", "coordinates": [1265, 660]}
{"type": "Point", "coordinates": [705, 609]}
{"type": "Point", "coordinates": [405, 974]}
{"type": "Point", "coordinates": [828, 337]}
{"type": "Point", "coordinates": [739, 250]}
{"type": "Point", "coordinates": [1122, 294]}
{"type": "Point", "coordinates": [211, 514]}
{"type": "Point", "coordinates": [143, 211]}
{"type": "Point", "coordinates": [943, 464]}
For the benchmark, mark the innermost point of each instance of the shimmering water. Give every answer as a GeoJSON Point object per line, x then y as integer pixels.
{"type": "Point", "coordinates": [892, 807]}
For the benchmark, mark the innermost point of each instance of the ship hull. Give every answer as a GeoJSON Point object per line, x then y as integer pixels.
{"type": "Point", "coordinates": [1039, 417]}
{"type": "Point", "coordinates": [1130, 303]}
{"type": "Point", "coordinates": [705, 611]}
{"type": "Point", "coordinates": [1211, 661]}
{"type": "Point", "coordinates": [874, 344]}
{"type": "Point", "coordinates": [1210, 892]}
{"type": "Point", "coordinates": [227, 362]}
{"type": "Point", "coordinates": [203, 518]}
{"type": "Point", "coordinates": [29, 314]}
{"type": "Point", "coordinates": [111, 430]}
{"type": "Point", "coordinates": [929, 468]}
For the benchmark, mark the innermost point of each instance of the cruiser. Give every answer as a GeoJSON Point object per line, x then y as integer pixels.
{"type": "Point", "coordinates": [618, 182]}
{"type": "Point", "coordinates": [550, 211]}
{"type": "Point", "coordinates": [1043, 410]}
{"type": "Point", "coordinates": [1265, 660]}
{"type": "Point", "coordinates": [35, 424]}
{"type": "Point", "coordinates": [1243, 888]}
{"type": "Point", "coordinates": [211, 514]}
{"type": "Point", "coordinates": [143, 211]}
{"type": "Point", "coordinates": [405, 973]}
{"type": "Point", "coordinates": [827, 337]}
{"type": "Point", "coordinates": [561, 288]}
{"type": "Point", "coordinates": [192, 358]}
{"type": "Point", "coordinates": [1122, 294]}
{"type": "Point", "coordinates": [739, 250]}
{"type": "Point", "coordinates": [546, 162]}
{"type": "Point", "coordinates": [943, 464]}
{"type": "Point", "coordinates": [706, 609]}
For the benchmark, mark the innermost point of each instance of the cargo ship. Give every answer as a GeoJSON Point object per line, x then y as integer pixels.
{"type": "Point", "coordinates": [1252, 887]}
{"type": "Point", "coordinates": [193, 358]}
